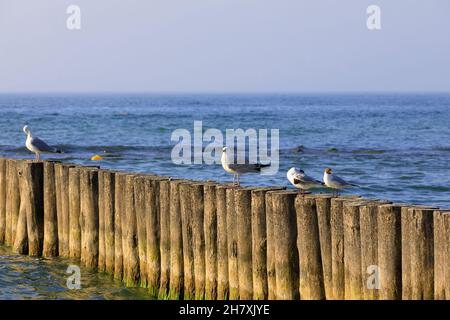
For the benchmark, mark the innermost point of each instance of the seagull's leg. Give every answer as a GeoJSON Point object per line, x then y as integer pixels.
{"type": "Point", "coordinates": [238, 181]}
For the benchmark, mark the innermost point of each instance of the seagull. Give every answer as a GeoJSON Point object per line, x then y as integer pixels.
{"type": "Point", "coordinates": [36, 145]}
{"type": "Point", "coordinates": [300, 180]}
{"type": "Point", "coordinates": [238, 169]}
{"type": "Point", "coordinates": [334, 182]}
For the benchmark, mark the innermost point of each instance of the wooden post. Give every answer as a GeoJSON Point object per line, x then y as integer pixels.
{"type": "Point", "coordinates": [109, 206]}
{"type": "Point", "coordinates": [270, 242]}
{"type": "Point", "coordinates": [74, 213]}
{"type": "Point", "coordinates": [89, 217]}
{"type": "Point", "coordinates": [323, 209]}
{"type": "Point", "coordinates": [62, 183]}
{"type": "Point", "coordinates": [232, 240]}
{"type": "Point", "coordinates": [337, 246]}
{"type": "Point", "coordinates": [440, 243]}
{"type": "Point", "coordinates": [12, 201]}
{"type": "Point", "coordinates": [101, 223]}
{"type": "Point", "coordinates": [222, 246]}
{"type": "Point", "coordinates": [286, 251]}
{"type": "Point", "coordinates": [129, 236]}
{"type": "Point", "coordinates": [243, 206]}
{"type": "Point", "coordinates": [308, 243]}
{"type": "Point", "coordinates": [259, 241]}
{"type": "Point", "coordinates": [176, 243]}
{"type": "Point", "coordinates": [352, 251]}
{"type": "Point", "coordinates": [389, 252]}
{"type": "Point", "coordinates": [421, 242]}
{"type": "Point", "coordinates": [50, 214]}
{"type": "Point", "coordinates": [32, 203]}
{"type": "Point", "coordinates": [119, 208]}
{"type": "Point", "coordinates": [152, 219]}
{"type": "Point", "coordinates": [197, 198]}
{"type": "Point", "coordinates": [21, 240]}
{"type": "Point", "coordinates": [164, 203]}
{"type": "Point", "coordinates": [2, 200]}
{"type": "Point", "coordinates": [406, 254]}
{"type": "Point", "coordinates": [140, 207]}
{"type": "Point", "coordinates": [369, 250]}
{"type": "Point", "coordinates": [188, 241]}
{"type": "Point", "coordinates": [210, 230]}
{"type": "Point", "coordinates": [446, 219]}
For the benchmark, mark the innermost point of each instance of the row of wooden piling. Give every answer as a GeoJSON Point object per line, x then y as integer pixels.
{"type": "Point", "coordinates": [185, 239]}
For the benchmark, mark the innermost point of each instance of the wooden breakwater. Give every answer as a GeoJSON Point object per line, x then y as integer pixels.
{"type": "Point", "coordinates": [185, 239]}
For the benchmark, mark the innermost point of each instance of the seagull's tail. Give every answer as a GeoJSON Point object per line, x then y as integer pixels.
{"type": "Point", "coordinates": [260, 166]}
{"type": "Point", "coordinates": [354, 185]}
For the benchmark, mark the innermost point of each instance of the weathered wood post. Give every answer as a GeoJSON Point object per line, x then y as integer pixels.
{"type": "Point", "coordinates": [119, 208]}
{"type": "Point", "coordinates": [197, 198]}
{"type": "Point", "coordinates": [164, 205]}
{"type": "Point", "coordinates": [31, 177]}
{"type": "Point", "coordinates": [222, 245]}
{"type": "Point", "coordinates": [421, 242]}
{"type": "Point", "coordinates": [62, 184]}
{"type": "Point", "coordinates": [446, 219]}
{"type": "Point", "coordinates": [243, 206]}
{"type": "Point", "coordinates": [21, 240]}
{"type": "Point", "coordinates": [406, 252]}
{"type": "Point", "coordinates": [259, 244]}
{"type": "Point", "coordinates": [108, 207]}
{"type": "Point", "coordinates": [352, 251]}
{"type": "Point", "coordinates": [101, 223]}
{"type": "Point", "coordinates": [74, 213]}
{"type": "Point", "coordinates": [232, 242]}
{"type": "Point", "coordinates": [440, 243]}
{"type": "Point", "coordinates": [210, 230]}
{"type": "Point", "coordinates": [323, 209]}
{"type": "Point", "coordinates": [369, 250]}
{"type": "Point", "coordinates": [286, 251]}
{"type": "Point", "coordinates": [50, 214]}
{"type": "Point", "coordinates": [308, 243]}
{"type": "Point", "coordinates": [152, 221]}
{"type": "Point", "coordinates": [89, 216]}
{"type": "Point", "coordinates": [140, 207]}
{"type": "Point", "coordinates": [129, 236]}
{"type": "Point", "coordinates": [176, 243]}
{"type": "Point", "coordinates": [12, 201]}
{"type": "Point", "coordinates": [389, 251]}
{"type": "Point", "coordinates": [2, 200]}
{"type": "Point", "coordinates": [270, 243]}
{"type": "Point", "coordinates": [188, 241]}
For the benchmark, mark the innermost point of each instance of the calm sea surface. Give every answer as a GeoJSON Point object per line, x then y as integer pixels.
{"type": "Point", "coordinates": [394, 146]}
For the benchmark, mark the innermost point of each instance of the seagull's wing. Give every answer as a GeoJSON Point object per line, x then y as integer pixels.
{"type": "Point", "coordinates": [246, 168]}
{"type": "Point", "coordinates": [41, 146]}
{"type": "Point", "coordinates": [301, 177]}
{"type": "Point", "coordinates": [343, 182]}
{"type": "Point", "coordinates": [309, 179]}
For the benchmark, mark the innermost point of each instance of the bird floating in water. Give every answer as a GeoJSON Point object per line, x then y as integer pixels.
{"type": "Point", "coordinates": [238, 169]}
{"type": "Point", "coordinates": [36, 145]}
{"type": "Point", "coordinates": [334, 182]}
{"type": "Point", "coordinates": [301, 181]}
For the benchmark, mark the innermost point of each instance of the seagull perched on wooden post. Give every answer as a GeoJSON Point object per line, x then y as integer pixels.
{"type": "Point", "coordinates": [36, 145]}
{"type": "Point", "coordinates": [334, 182]}
{"type": "Point", "coordinates": [238, 169]}
{"type": "Point", "coordinates": [301, 181]}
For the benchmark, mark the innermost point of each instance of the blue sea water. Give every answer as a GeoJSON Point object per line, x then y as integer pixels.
{"type": "Point", "coordinates": [395, 146]}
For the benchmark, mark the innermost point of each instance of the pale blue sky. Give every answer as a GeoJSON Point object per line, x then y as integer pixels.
{"type": "Point", "coordinates": [224, 46]}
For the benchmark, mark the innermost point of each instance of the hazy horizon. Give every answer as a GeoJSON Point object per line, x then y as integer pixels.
{"type": "Point", "coordinates": [224, 47]}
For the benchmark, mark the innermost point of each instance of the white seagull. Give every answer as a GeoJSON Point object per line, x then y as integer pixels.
{"type": "Point", "coordinates": [334, 182]}
{"type": "Point", "coordinates": [301, 181]}
{"type": "Point", "coordinates": [36, 145]}
{"type": "Point", "coordinates": [238, 169]}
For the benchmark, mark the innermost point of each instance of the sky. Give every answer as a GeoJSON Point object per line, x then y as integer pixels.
{"type": "Point", "coordinates": [224, 46]}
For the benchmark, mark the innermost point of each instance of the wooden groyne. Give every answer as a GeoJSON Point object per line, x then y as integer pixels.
{"type": "Point", "coordinates": [186, 239]}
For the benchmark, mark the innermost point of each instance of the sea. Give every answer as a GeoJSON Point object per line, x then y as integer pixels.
{"type": "Point", "coordinates": [394, 146]}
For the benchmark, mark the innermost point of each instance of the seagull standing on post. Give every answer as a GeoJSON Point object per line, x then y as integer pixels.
{"type": "Point", "coordinates": [36, 145]}
{"type": "Point", "coordinates": [301, 181]}
{"type": "Point", "coordinates": [238, 169]}
{"type": "Point", "coordinates": [334, 182]}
